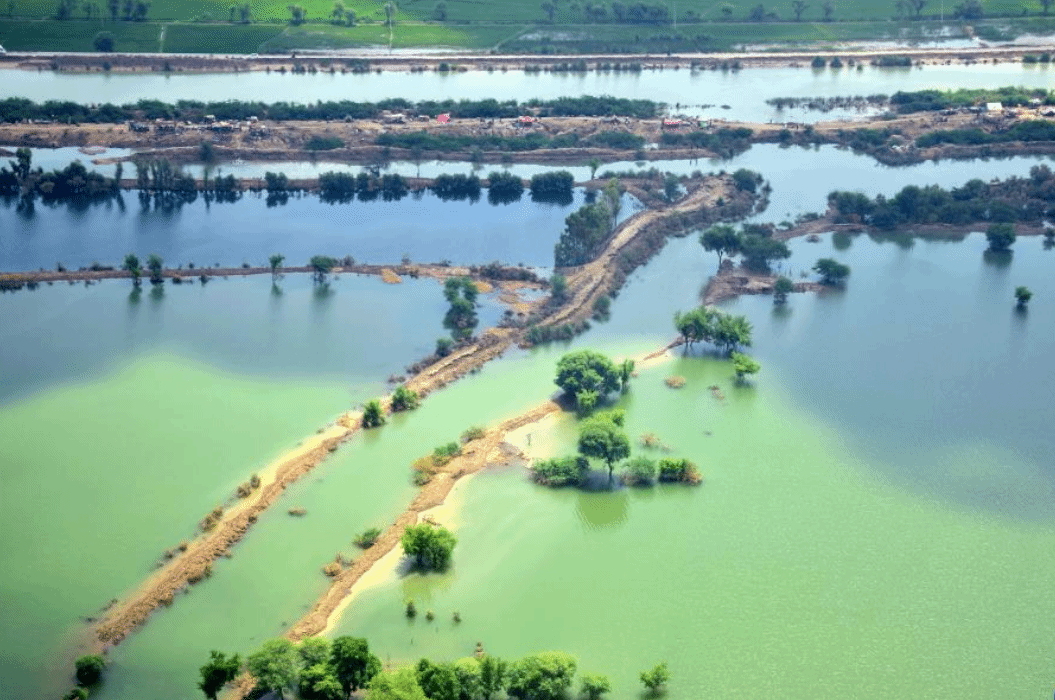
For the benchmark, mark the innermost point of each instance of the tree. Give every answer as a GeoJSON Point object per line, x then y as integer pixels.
{"type": "Point", "coordinates": [373, 414]}
{"type": "Point", "coordinates": [558, 285]}
{"type": "Point", "coordinates": [155, 265]}
{"type": "Point", "coordinates": [438, 681]}
{"type": "Point", "coordinates": [349, 17]}
{"type": "Point", "coordinates": [600, 437]}
{"type": "Point", "coordinates": [639, 471]}
{"type": "Point", "coordinates": [139, 13]}
{"type": "Point", "coordinates": [430, 546]}
{"type": "Point", "coordinates": [468, 672]}
{"type": "Point", "coordinates": [297, 14]}
{"type": "Point", "coordinates": [798, 7]}
{"type": "Point", "coordinates": [595, 163]}
{"type": "Point", "coordinates": [218, 672]}
{"type": "Point", "coordinates": [395, 685]}
{"type": "Point", "coordinates": [337, 13]}
{"type": "Point", "coordinates": [1046, 4]}
{"type": "Point", "coordinates": [1022, 296]}
{"type": "Point", "coordinates": [1000, 237]}
{"type": "Point", "coordinates": [585, 371]}
{"type": "Point", "coordinates": [543, 676]}
{"type": "Point", "coordinates": [77, 693]}
{"type": "Point", "coordinates": [274, 665]}
{"type": "Point", "coordinates": [549, 8]}
{"type": "Point", "coordinates": [313, 651]}
{"type": "Point", "coordinates": [439, 12]}
{"type": "Point", "coordinates": [759, 251]}
{"type": "Point", "coordinates": [594, 685]}
{"type": "Point", "coordinates": [626, 371]}
{"type": "Point", "coordinates": [696, 325]}
{"type": "Point", "coordinates": [444, 346]}
{"type": "Point", "coordinates": [731, 332]}
{"type": "Point", "coordinates": [461, 317]}
{"type": "Point", "coordinates": [131, 264]}
{"type": "Point", "coordinates": [321, 266]}
{"type": "Point", "coordinates": [404, 399]}
{"type": "Point", "coordinates": [970, 9]}
{"type": "Point", "coordinates": [352, 663]}
{"type": "Point", "coordinates": [114, 6]}
{"type": "Point", "coordinates": [656, 678]}
{"type": "Point", "coordinates": [89, 669]}
{"type": "Point", "coordinates": [492, 676]}
{"type": "Point", "coordinates": [744, 365]}
{"type": "Point", "coordinates": [831, 271]}
{"type": "Point", "coordinates": [317, 682]}
{"type": "Point", "coordinates": [781, 288]}
{"type": "Point", "coordinates": [103, 42]}
{"type": "Point", "coordinates": [757, 13]}
{"type": "Point", "coordinates": [721, 239]}
{"type": "Point", "coordinates": [275, 261]}
{"type": "Point", "coordinates": [390, 12]}
{"type": "Point", "coordinates": [829, 10]}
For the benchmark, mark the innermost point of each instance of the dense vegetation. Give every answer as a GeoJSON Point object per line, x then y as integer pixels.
{"type": "Point", "coordinates": [442, 142]}
{"type": "Point", "coordinates": [430, 546]}
{"type": "Point", "coordinates": [1029, 130]}
{"type": "Point", "coordinates": [935, 100]}
{"type": "Point", "coordinates": [726, 143]}
{"type": "Point", "coordinates": [17, 109]}
{"type": "Point", "coordinates": [1027, 200]}
{"type": "Point", "coordinates": [586, 230]}
{"type": "Point", "coordinates": [726, 332]}
{"type": "Point", "coordinates": [587, 377]}
{"type": "Point", "coordinates": [754, 243]}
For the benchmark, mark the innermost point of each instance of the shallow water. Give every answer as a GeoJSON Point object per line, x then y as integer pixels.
{"type": "Point", "coordinates": [744, 92]}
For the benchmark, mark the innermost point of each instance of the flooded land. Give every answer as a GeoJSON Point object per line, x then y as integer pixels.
{"type": "Point", "coordinates": [186, 455]}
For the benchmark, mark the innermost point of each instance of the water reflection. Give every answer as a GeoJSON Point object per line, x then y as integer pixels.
{"type": "Point", "coordinates": [602, 509]}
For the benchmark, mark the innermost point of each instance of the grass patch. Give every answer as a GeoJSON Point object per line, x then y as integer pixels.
{"type": "Point", "coordinates": [77, 35]}
{"type": "Point", "coordinates": [218, 38]}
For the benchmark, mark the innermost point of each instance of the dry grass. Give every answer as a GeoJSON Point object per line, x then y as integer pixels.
{"type": "Point", "coordinates": [390, 277]}
{"type": "Point", "coordinates": [209, 521]}
{"type": "Point", "coordinates": [675, 382]}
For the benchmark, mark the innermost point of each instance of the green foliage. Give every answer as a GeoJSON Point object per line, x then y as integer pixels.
{"type": "Point", "coordinates": [103, 42]}
{"type": "Point", "coordinates": [640, 471]}
{"type": "Point", "coordinates": [720, 239]}
{"type": "Point", "coordinates": [725, 331]}
{"type": "Point", "coordinates": [430, 546]}
{"type": "Point", "coordinates": [744, 365]}
{"type": "Point", "coordinates": [445, 453]}
{"type": "Point", "coordinates": [313, 650]}
{"type": "Point", "coordinates": [218, 672]}
{"type": "Point", "coordinates": [1023, 295]}
{"type": "Point", "coordinates": [560, 471]}
{"type": "Point", "coordinates": [77, 693]}
{"type": "Point", "coordinates": [411, 609]}
{"type": "Point", "coordinates": [759, 251]}
{"type": "Point", "coordinates": [438, 681]}
{"type": "Point", "coordinates": [781, 288]}
{"type": "Point", "coordinates": [493, 675]}
{"type": "Point", "coordinates": [544, 676]}
{"type": "Point", "coordinates": [89, 669]}
{"type": "Point", "coordinates": [317, 682]}
{"type": "Point", "coordinates": [396, 685]}
{"type": "Point", "coordinates": [602, 437]}
{"type": "Point", "coordinates": [657, 677]}
{"type": "Point", "coordinates": [594, 686]}
{"type": "Point", "coordinates": [461, 318]}
{"type": "Point", "coordinates": [323, 143]}
{"type": "Point", "coordinates": [626, 371]}
{"type": "Point", "coordinates": [725, 143]}
{"type": "Point", "coordinates": [586, 371]}
{"type": "Point", "coordinates": [503, 188]}
{"type": "Point", "coordinates": [584, 233]}
{"type": "Point", "coordinates": [1000, 237]}
{"type": "Point", "coordinates": [404, 399]}
{"type": "Point", "coordinates": [678, 470]}
{"type": "Point", "coordinates": [373, 414]}
{"type": "Point", "coordinates": [553, 186]}
{"type": "Point", "coordinates": [746, 180]}
{"type": "Point", "coordinates": [559, 288]}
{"type": "Point", "coordinates": [368, 537]}
{"type": "Point", "coordinates": [352, 663]}
{"type": "Point", "coordinates": [275, 261]}
{"type": "Point", "coordinates": [936, 100]}
{"type": "Point", "coordinates": [444, 346]}
{"type": "Point", "coordinates": [274, 665]}
{"type": "Point", "coordinates": [473, 432]}
{"type": "Point", "coordinates": [831, 271]}
{"type": "Point", "coordinates": [468, 673]}
{"type": "Point", "coordinates": [321, 266]}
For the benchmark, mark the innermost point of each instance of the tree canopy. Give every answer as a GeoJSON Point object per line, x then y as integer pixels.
{"type": "Point", "coordinates": [831, 271]}
{"type": "Point", "coordinates": [744, 365]}
{"type": "Point", "coordinates": [724, 331]}
{"type": "Point", "coordinates": [396, 685]}
{"type": "Point", "coordinates": [543, 676]}
{"type": "Point", "coordinates": [1000, 237]}
{"type": "Point", "coordinates": [430, 546]}
{"type": "Point", "coordinates": [587, 376]}
{"type": "Point", "coordinates": [602, 437]}
{"type": "Point", "coordinates": [274, 665]}
{"type": "Point", "coordinates": [781, 288]}
{"type": "Point", "coordinates": [461, 319]}
{"type": "Point", "coordinates": [89, 669]}
{"type": "Point", "coordinates": [721, 239]}
{"type": "Point", "coordinates": [218, 672]}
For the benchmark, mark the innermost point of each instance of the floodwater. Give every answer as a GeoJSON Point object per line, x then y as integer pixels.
{"type": "Point", "coordinates": [700, 93]}
{"type": "Point", "coordinates": [876, 520]}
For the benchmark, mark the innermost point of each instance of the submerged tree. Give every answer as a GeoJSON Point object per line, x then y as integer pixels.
{"type": "Point", "coordinates": [218, 672]}
{"type": "Point", "coordinates": [373, 414]}
{"type": "Point", "coordinates": [656, 677]}
{"type": "Point", "coordinates": [275, 261]}
{"type": "Point", "coordinates": [1000, 237]}
{"type": "Point", "coordinates": [155, 265]}
{"type": "Point", "coordinates": [831, 271]}
{"type": "Point", "coordinates": [602, 437]}
{"type": "Point", "coordinates": [744, 365]}
{"type": "Point", "coordinates": [781, 288]}
{"type": "Point", "coordinates": [322, 265]}
{"type": "Point", "coordinates": [586, 376]}
{"type": "Point", "coordinates": [131, 264]}
{"type": "Point", "coordinates": [1022, 296]}
{"type": "Point", "coordinates": [430, 546]}
{"type": "Point", "coordinates": [461, 319]}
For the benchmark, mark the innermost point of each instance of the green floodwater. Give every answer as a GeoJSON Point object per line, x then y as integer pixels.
{"type": "Point", "coordinates": [876, 520]}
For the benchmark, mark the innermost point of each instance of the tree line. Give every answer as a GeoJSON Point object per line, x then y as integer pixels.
{"type": "Point", "coordinates": [533, 141]}
{"type": "Point", "coordinates": [907, 102]}
{"type": "Point", "coordinates": [587, 229]}
{"type": "Point", "coordinates": [1015, 199]}
{"type": "Point", "coordinates": [17, 109]}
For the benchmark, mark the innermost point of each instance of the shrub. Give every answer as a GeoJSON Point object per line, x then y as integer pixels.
{"type": "Point", "coordinates": [430, 546]}
{"type": "Point", "coordinates": [444, 346]}
{"type": "Point", "coordinates": [323, 143]}
{"type": "Point", "coordinates": [445, 453]}
{"type": "Point", "coordinates": [560, 471]}
{"type": "Point", "coordinates": [639, 471]}
{"type": "Point", "coordinates": [404, 399]}
{"type": "Point", "coordinates": [367, 538]}
{"type": "Point", "coordinates": [679, 470]}
{"type": "Point", "coordinates": [657, 677]}
{"type": "Point", "coordinates": [373, 414]}
{"type": "Point", "coordinates": [411, 609]}
{"type": "Point", "coordinates": [474, 432]}
{"type": "Point", "coordinates": [89, 669]}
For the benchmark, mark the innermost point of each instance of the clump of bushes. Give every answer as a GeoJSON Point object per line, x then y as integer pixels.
{"type": "Point", "coordinates": [367, 538]}
{"type": "Point", "coordinates": [209, 522]}
{"type": "Point", "coordinates": [404, 399]}
{"type": "Point", "coordinates": [640, 471]}
{"type": "Point", "coordinates": [474, 432]}
{"type": "Point", "coordinates": [679, 470]}
{"type": "Point", "coordinates": [560, 471]}
{"type": "Point", "coordinates": [428, 466]}
{"type": "Point", "coordinates": [373, 414]}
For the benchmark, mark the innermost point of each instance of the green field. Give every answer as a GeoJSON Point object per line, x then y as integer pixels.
{"type": "Point", "coordinates": [205, 26]}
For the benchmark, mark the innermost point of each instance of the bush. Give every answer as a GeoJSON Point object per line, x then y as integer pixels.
{"type": "Point", "coordinates": [323, 143]}
{"type": "Point", "coordinates": [373, 414]}
{"type": "Point", "coordinates": [657, 677]}
{"type": "Point", "coordinates": [473, 433]}
{"type": "Point", "coordinates": [1000, 237]}
{"type": "Point", "coordinates": [76, 694]}
{"type": "Point", "coordinates": [89, 669]}
{"type": "Point", "coordinates": [552, 187]}
{"type": "Point", "coordinates": [430, 546]}
{"type": "Point", "coordinates": [367, 538]}
{"type": "Point", "coordinates": [639, 471]}
{"type": "Point", "coordinates": [445, 453]}
{"type": "Point", "coordinates": [560, 471]}
{"type": "Point", "coordinates": [404, 399]}
{"type": "Point", "coordinates": [103, 42]}
{"type": "Point", "coordinates": [678, 470]}
{"type": "Point", "coordinates": [444, 346]}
